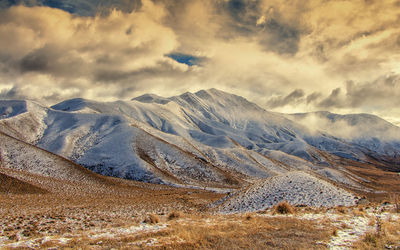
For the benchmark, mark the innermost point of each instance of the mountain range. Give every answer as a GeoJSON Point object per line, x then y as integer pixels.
{"type": "Point", "coordinates": [209, 139]}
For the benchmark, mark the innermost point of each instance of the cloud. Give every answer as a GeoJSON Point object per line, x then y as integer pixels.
{"type": "Point", "coordinates": [313, 97]}
{"type": "Point", "coordinates": [74, 51]}
{"type": "Point", "coordinates": [80, 7]}
{"type": "Point", "coordinates": [333, 100]}
{"type": "Point", "coordinates": [292, 56]}
{"type": "Point", "coordinates": [381, 92]}
{"type": "Point", "coordinates": [280, 37]}
{"type": "Point", "coordinates": [349, 127]}
{"type": "Point", "coordinates": [291, 99]}
{"type": "Point", "coordinates": [12, 93]}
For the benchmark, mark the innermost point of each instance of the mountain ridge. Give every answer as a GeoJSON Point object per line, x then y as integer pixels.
{"type": "Point", "coordinates": [209, 138]}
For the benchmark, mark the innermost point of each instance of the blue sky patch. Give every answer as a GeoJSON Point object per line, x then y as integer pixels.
{"type": "Point", "coordinates": [185, 58]}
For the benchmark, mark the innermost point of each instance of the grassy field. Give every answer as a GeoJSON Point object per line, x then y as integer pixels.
{"type": "Point", "coordinates": [179, 219]}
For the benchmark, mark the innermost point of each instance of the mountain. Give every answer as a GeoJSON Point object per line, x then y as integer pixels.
{"type": "Point", "coordinates": [33, 170]}
{"type": "Point", "coordinates": [373, 135]}
{"type": "Point", "coordinates": [208, 139]}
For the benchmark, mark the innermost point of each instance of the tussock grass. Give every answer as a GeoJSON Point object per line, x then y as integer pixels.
{"type": "Point", "coordinates": [386, 237]}
{"type": "Point", "coordinates": [341, 210]}
{"type": "Point", "coordinates": [175, 215]}
{"type": "Point", "coordinates": [248, 217]}
{"type": "Point", "coordinates": [283, 207]}
{"type": "Point", "coordinates": [395, 198]}
{"type": "Point", "coordinates": [201, 231]}
{"type": "Point", "coordinates": [250, 231]}
{"type": "Point", "coordinates": [152, 219]}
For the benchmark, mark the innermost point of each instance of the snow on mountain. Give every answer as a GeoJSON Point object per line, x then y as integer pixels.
{"type": "Point", "coordinates": [30, 169]}
{"type": "Point", "coordinates": [368, 131]}
{"type": "Point", "coordinates": [22, 119]}
{"type": "Point", "coordinates": [216, 118]}
{"type": "Point", "coordinates": [297, 188]}
{"type": "Point", "coordinates": [208, 138]}
{"type": "Point", "coordinates": [23, 160]}
{"type": "Point", "coordinates": [151, 98]}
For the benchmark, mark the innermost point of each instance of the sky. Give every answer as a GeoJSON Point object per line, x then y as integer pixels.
{"type": "Point", "coordinates": [287, 56]}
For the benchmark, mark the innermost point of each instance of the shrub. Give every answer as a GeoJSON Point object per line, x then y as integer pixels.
{"type": "Point", "coordinates": [283, 207]}
{"type": "Point", "coordinates": [371, 238]}
{"type": "Point", "coordinates": [152, 219]}
{"type": "Point", "coordinates": [249, 217]}
{"type": "Point", "coordinates": [341, 209]}
{"type": "Point", "coordinates": [175, 215]}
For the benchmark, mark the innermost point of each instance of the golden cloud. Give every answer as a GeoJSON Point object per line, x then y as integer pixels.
{"type": "Point", "coordinates": [291, 56]}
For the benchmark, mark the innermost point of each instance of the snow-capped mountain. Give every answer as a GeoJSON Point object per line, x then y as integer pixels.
{"type": "Point", "coordinates": [373, 135]}
{"type": "Point", "coordinates": [207, 139]}
{"type": "Point", "coordinates": [355, 127]}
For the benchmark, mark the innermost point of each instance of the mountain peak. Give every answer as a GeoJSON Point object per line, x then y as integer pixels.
{"type": "Point", "coordinates": [151, 98]}
{"type": "Point", "coordinates": [74, 104]}
{"type": "Point", "coordinates": [213, 92]}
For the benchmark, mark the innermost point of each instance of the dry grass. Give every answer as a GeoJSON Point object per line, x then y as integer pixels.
{"type": "Point", "coordinates": [388, 237]}
{"type": "Point", "coordinates": [152, 219]}
{"type": "Point", "coordinates": [395, 200]}
{"type": "Point", "coordinates": [378, 179]}
{"type": "Point", "coordinates": [283, 207]}
{"type": "Point", "coordinates": [249, 217]}
{"type": "Point", "coordinates": [10, 185]}
{"type": "Point", "coordinates": [54, 214]}
{"type": "Point", "coordinates": [344, 226]}
{"type": "Point", "coordinates": [341, 210]}
{"type": "Point", "coordinates": [240, 232]}
{"type": "Point", "coordinates": [175, 215]}
{"type": "Point", "coordinates": [371, 221]}
{"type": "Point", "coordinates": [201, 231]}
{"type": "Point", "coordinates": [358, 212]}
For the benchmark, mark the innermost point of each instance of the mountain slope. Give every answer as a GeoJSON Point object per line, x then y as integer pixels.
{"type": "Point", "coordinates": [297, 188]}
{"type": "Point", "coordinates": [11, 185]}
{"type": "Point", "coordinates": [20, 156]}
{"type": "Point", "coordinates": [374, 136]}
{"type": "Point", "coordinates": [205, 139]}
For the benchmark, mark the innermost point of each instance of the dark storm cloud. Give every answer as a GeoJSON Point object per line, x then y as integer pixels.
{"type": "Point", "coordinates": [53, 61]}
{"type": "Point", "coordinates": [279, 37]}
{"type": "Point", "coordinates": [80, 7]}
{"type": "Point", "coordinates": [274, 33]}
{"type": "Point", "coordinates": [244, 14]}
{"type": "Point", "coordinates": [292, 98]}
{"type": "Point", "coordinates": [333, 100]}
{"type": "Point", "coordinates": [17, 93]}
{"type": "Point", "coordinates": [313, 97]}
{"type": "Point", "coordinates": [381, 92]}
{"type": "Point", "coordinates": [384, 91]}
{"type": "Point", "coordinates": [37, 60]}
